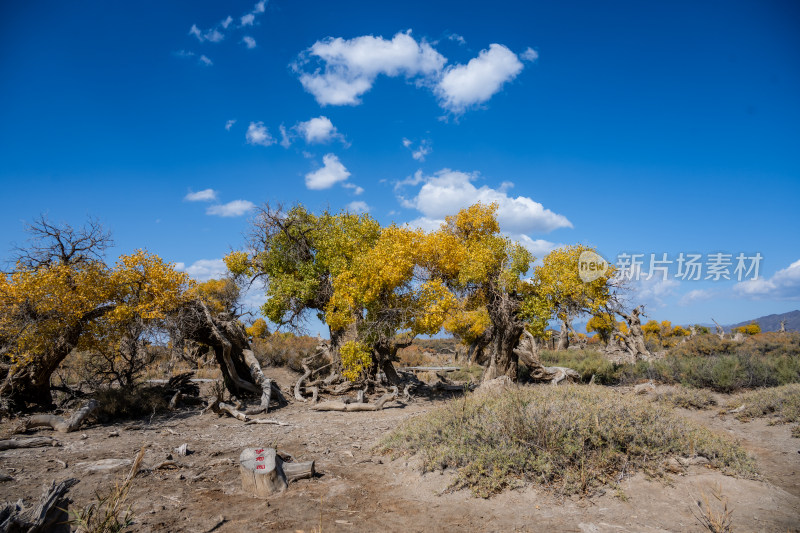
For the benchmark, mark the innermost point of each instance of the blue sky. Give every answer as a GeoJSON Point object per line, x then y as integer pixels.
{"type": "Point", "coordinates": [636, 127]}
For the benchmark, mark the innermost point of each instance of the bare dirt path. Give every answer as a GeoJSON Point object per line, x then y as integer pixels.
{"type": "Point", "coordinates": [359, 491]}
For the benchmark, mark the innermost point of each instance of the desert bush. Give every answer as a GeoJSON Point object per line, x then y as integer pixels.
{"type": "Point", "coordinates": [284, 349]}
{"type": "Point", "coordinates": [780, 403]}
{"type": "Point", "coordinates": [121, 403]}
{"type": "Point", "coordinates": [569, 439]}
{"type": "Point", "coordinates": [727, 372]}
{"type": "Point", "coordinates": [471, 373]}
{"type": "Point", "coordinates": [687, 397]}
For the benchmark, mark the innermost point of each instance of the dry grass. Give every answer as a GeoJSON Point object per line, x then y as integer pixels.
{"type": "Point", "coordinates": [108, 514]}
{"type": "Point", "coordinates": [687, 397]}
{"type": "Point", "coordinates": [713, 519]}
{"type": "Point", "coordinates": [570, 439]}
{"type": "Point", "coordinates": [782, 404]}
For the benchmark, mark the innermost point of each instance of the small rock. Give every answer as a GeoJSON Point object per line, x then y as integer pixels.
{"type": "Point", "coordinates": [114, 433]}
{"type": "Point", "coordinates": [183, 450]}
{"type": "Point", "coordinates": [105, 465]}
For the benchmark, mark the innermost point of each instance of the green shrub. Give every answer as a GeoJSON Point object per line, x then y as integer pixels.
{"type": "Point", "coordinates": [569, 439]}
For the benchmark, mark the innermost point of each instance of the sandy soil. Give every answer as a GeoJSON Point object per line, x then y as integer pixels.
{"type": "Point", "coordinates": [359, 491]}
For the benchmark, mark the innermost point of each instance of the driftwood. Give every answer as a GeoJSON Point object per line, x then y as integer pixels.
{"type": "Point", "coordinates": [59, 423]}
{"type": "Point", "coordinates": [49, 515]}
{"type": "Point", "coordinates": [266, 421]}
{"type": "Point", "coordinates": [34, 442]}
{"type": "Point", "coordinates": [349, 407]}
{"type": "Point", "coordinates": [264, 473]}
{"type": "Point", "coordinates": [299, 384]}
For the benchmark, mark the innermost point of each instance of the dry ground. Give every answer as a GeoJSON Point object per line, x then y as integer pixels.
{"type": "Point", "coordinates": [359, 491]}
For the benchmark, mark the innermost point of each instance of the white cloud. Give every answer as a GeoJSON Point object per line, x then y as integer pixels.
{"type": "Point", "coordinates": [783, 285]}
{"type": "Point", "coordinates": [204, 269]}
{"type": "Point", "coordinates": [351, 65]}
{"type": "Point", "coordinates": [258, 134]}
{"type": "Point", "coordinates": [229, 124]}
{"type": "Point", "coordinates": [410, 181]}
{"type": "Point", "coordinates": [529, 54]}
{"type": "Point", "coordinates": [332, 172]}
{"type": "Point", "coordinates": [448, 191]}
{"type": "Point", "coordinates": [464, 86]}
{"type": "Point", "coordinates": [356, 189]}
{"type": "Point", "coordinates": [206, 61]}
{"type": "Point", "coordinates": [235, 208]}
{"type": "Point", "coordinates": [538, 247]}
{"type": "Point", "coordinates": [213, 35]}
{"type": "Point", "coordinates": [249, 42]}
{"type": "Point", "coordinates": [426, 224]}
{"type": "Point", "coordinates": [247, 20]}
{"type": "Point", "coordinates": [286, 141]}
{"type": "Point", "coordinates": [457, 38]}
{"type": "Point", "coordinates": [227, 22]}
{"type": "Point", "coordinates": [184, 53]}
{"type": "Point", "coordinates": [697, 295]}
{"type": "Point", "coordinates": [260, 7]}
{"type": "Point", "coordinates": [206, 195]}
{"type": "Point", "coordinates": [319, 130]}
{"type": "Point", "coordinates": [422, 150]}
{"type": "Point", "coordinates": [358, 207]}
{"type": "Point", "coordinates": [407, 142]}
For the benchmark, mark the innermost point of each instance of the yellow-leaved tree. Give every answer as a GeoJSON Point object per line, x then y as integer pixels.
{"type": "Point", "coordinates": [62, 296]}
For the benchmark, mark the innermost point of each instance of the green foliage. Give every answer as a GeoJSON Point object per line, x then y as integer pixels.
{"type": "Point", "coordinates": [569, 439]}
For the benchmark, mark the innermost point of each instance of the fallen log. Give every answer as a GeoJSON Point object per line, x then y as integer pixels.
{"type": "Point", "coordinates": [264, 473]}
{"type": "Point", "coordinates": [34, 442]}
{"type": "Point", "coordinates": [59, 423]}
{"type": "Point", "coordinates": [349, 407]}
{"type": "Point", "coordinates": [49, 515]}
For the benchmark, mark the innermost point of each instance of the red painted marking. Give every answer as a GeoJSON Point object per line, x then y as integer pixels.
{"type": "Point", "coordinates": [260, 467]}
{"type": "Point", "coordinates": [259, 458]}
{"type": "Point", "coordinates": [260, 450]}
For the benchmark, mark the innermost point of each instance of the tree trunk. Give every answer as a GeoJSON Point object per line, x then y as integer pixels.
{"type": "Point", "coordinates": [241, 371]}
{"type": "Point", "coordinates": [506, 329]}
{"type": "Point", "coordinates": [27, 384]}
{"type": "Point", "coordinates": [264, 473]}
{"type": "Point", "coordinates": [563, 336]}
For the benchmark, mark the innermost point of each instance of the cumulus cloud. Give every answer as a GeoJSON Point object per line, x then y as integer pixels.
{"type": "Point", "coordinates": [260, 7]}
{"type": "Point", "coordinates": [331, 173]}
{"type": "Point", "coordinates": [319, 130]}
{"type": "Point", "coordinates": [206, 195]}
{"type": "Point", "coordinates": [464, 86]}
{"type": "Point", "coordinates": [204, 269]}
{"type": "Point", "coordinates": [247, 20]}
{"type": "Point", "coordinates": [783, 285]}
{"type": "Point", "coordinates": [258, 134]}
{"type": "Point", "coordinates": [538, 247]}
{"type": "Point", "coordinates": [350, 66]}
{"type": "Point", "coordinates": [358, 207]}
{"type": "Point", "coordinates": [235, 208]}
{"type": "Point", "coordinates": [447, 191]}
{"type": "Point", "coordinates": [249, 42]}
{"type": "Point", "coordinates": [206, 61]}
{"type": "Point", "coordinates": [229, 124]}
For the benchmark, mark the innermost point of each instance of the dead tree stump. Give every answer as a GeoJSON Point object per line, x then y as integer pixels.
{"type": "Point", "coordinates": [264, 473]}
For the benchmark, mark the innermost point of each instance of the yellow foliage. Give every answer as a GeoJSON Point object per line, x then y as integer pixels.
{"type": "Point", "coordinates": [258, 329]}
{"type": "Point", "coordinates": [750, 329]}
{"type": "Point", "coordinates": [356, 360]}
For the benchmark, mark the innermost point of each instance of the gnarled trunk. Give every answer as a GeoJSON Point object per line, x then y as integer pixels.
{"type": "Point", "coordinates": [506, 329]}
{"type": "Point", "coordinates": [241, 371]}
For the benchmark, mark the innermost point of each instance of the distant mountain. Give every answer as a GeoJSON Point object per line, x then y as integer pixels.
{"type": "Point", "coordinates": [773, 322]}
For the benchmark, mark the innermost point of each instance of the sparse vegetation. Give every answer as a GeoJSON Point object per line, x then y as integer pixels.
{"type": "Point", "coordinates": [569, 439]}
{"type": "Point", "coordinates": [127, 403]}
{"type": "Point", "coordinates": [688, 398]}
{"type": "Point", "coordinates": [780, 403]}
{"type": "Point", "coordinates": [715, 521]}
